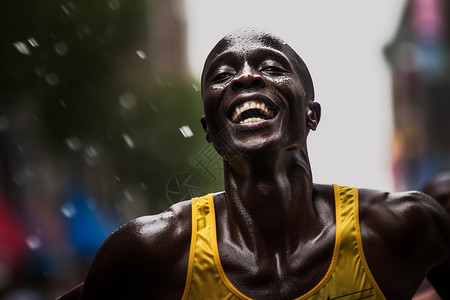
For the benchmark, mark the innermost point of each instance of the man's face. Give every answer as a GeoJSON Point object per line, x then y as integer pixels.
{"type": "Point", "coordinates": [253, 97]}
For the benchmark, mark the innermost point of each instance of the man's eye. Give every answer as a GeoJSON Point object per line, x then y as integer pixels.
{"type": "Point", "coordinates": [221, 77]}
{"type": "Point", "coordinates": [272, 70]}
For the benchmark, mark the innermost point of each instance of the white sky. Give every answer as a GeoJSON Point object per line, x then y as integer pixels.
{"type": "Point", "coordinates": [341, 42]}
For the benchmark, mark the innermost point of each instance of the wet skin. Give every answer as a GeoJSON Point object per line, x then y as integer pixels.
{"type": "Point", "coordinates": [275, 227]}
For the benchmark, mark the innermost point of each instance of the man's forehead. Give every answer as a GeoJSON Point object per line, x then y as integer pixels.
{"type": "Point", "coordinates": [248, 39]}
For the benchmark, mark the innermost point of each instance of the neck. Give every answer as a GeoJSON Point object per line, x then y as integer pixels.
{"type": "Point", "coordinates": [270, 200]}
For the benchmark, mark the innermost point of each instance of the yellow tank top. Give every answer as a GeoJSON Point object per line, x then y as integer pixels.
{"type": "Point", "coordinates": [347, 278]}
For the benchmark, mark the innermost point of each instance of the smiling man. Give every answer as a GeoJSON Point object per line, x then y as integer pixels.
{"type": "Point", "coordinates": [273, 233]}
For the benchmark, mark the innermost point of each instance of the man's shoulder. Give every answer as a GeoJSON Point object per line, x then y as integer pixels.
{"type": "Point", "coordinates": [142, 253]}
{"type": "Point", "coordinates": [170, 225]}
{"type": "Point", "coordinates": [396, 202]}
{"type": "Point", "coordinates": [176, 216]}
{"type": "Point", "coordinates": [404, 218]}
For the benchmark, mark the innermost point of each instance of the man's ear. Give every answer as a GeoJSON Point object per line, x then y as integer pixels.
{"type": "Point", "coordinates": [205, 128]}
{"type": "Point", "coordinates": [313, 115]}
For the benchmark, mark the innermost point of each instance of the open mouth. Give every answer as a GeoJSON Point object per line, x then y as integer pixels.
{"type": "Point", "coordinates": [252, 111]}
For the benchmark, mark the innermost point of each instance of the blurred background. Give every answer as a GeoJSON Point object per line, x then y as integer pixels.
{"type": "Point", "coordinates": [100, 107]}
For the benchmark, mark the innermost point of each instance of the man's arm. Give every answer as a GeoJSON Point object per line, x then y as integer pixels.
{"type": "Point", "coordinates": [146, 258]}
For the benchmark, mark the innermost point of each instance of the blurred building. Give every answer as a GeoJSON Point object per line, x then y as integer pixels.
{"type": "Point", "coordinates": [419, 59]}
{"type": "Point", "coordinates": [92, 99]}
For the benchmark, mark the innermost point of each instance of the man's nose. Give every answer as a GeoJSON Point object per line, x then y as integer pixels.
{"type": "Point", "coordinates": [247, 78]}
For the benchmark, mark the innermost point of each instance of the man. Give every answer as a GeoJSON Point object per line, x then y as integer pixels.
{"type": "Point", "coordinates": [272, 234]}
{"type": "Point", "coordinates": [438, 187]}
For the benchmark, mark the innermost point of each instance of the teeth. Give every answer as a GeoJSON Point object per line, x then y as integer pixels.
{"type": "Point", "coordinates": [250, 105]}
{"type": "Point", "coordinates": [251, 120]}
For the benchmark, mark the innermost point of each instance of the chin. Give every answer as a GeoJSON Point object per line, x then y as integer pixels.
{"type": "Point", "coordinates": [254, 145]}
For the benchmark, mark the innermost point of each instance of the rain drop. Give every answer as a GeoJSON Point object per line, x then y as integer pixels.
{"type": "Point", "coordinates": [91, 151]}
{"type": "Point", "coordinates": [61, 48]}
{"type": "Point", "coordinates": [34, 242]}
{"type": "Point", "coordinates": [128, 196]}
{"type": "Point", "coordinates": [141, 54]}
{"type": "Point", "coordinates": [73, 143]}
{"type": "Point", "coordinates": [186, 131]}
{"type": "Point", "coordinates": [127, 100]}
{"type": "Point", "coordinates": [22, 48]}
{"type": "Point", "coordinates": [65, 10]}
{"type": "Point", "coordinates": [196, 88]}
{"type": "Point", "coordinates": [68, 210]}
{"type": "Point", "coordinates": [52, 79]}
{"type": "Point", "coordinates": [33, 42]}
{"type": "Point", "coordinates": [128, 140]}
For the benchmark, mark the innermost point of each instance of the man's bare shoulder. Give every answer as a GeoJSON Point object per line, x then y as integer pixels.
{"type": "Point", "coordinates": [147, 232]}
{"type": "Point", "coordinates": [404, 235]}
{"type": "Point", "coordinates": [413, 206]}
{"type": "Point", "coordinates": [410, 212]}
{"type": "Point", "coordinates": [140, 257]}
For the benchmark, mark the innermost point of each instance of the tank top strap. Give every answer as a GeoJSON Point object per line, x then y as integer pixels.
{"type": "Point", "coordinates": [203, 280]}
{"type": "Point", "coordinates": [352, 263]}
